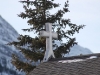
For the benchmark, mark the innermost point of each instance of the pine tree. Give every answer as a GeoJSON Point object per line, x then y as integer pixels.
{"type": "Point", "coordinates": [38, 13]}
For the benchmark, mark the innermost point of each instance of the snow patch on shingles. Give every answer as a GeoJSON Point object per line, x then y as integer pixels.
{"type": "Point", "coordinates": [70, 61]}
{"type": "Point", "coordinates": [92, 57]}
{"type": "Point", "coordinates": [76, 60]}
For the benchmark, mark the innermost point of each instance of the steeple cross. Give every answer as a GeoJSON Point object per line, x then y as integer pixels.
{"type": "Point", "coordinates": [49, 35]}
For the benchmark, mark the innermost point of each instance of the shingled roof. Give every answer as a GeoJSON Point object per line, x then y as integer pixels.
{"type": "Point", "coordinates": [76, 65]}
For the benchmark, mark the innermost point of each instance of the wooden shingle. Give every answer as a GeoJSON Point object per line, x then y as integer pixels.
{"type": "Point", "coordinates": [88, 66]}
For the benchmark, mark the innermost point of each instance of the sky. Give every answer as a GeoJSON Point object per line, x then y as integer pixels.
{"type": "Point", "coordinates": [85, 12]}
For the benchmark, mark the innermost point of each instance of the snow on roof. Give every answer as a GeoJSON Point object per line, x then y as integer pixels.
{"type": "Point", "coordinates": [76, 60]}
{"type": "Point", "coordinates": [70, 61]}
{"type": "Point", "coordinates": [91, 57]}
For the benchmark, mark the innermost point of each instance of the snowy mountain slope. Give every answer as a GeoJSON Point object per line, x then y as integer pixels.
{"type": "Point", "coordinates": [76, 50]}
{"type": "Point", "coordinates": [9, 34]}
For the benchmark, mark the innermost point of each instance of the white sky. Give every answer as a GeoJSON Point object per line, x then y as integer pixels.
{"type": "Point", "coordinates": [81, 12]}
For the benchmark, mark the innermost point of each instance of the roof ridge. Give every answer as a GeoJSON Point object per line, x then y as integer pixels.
{"type": "Point", "coordinates": [76, 57]}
